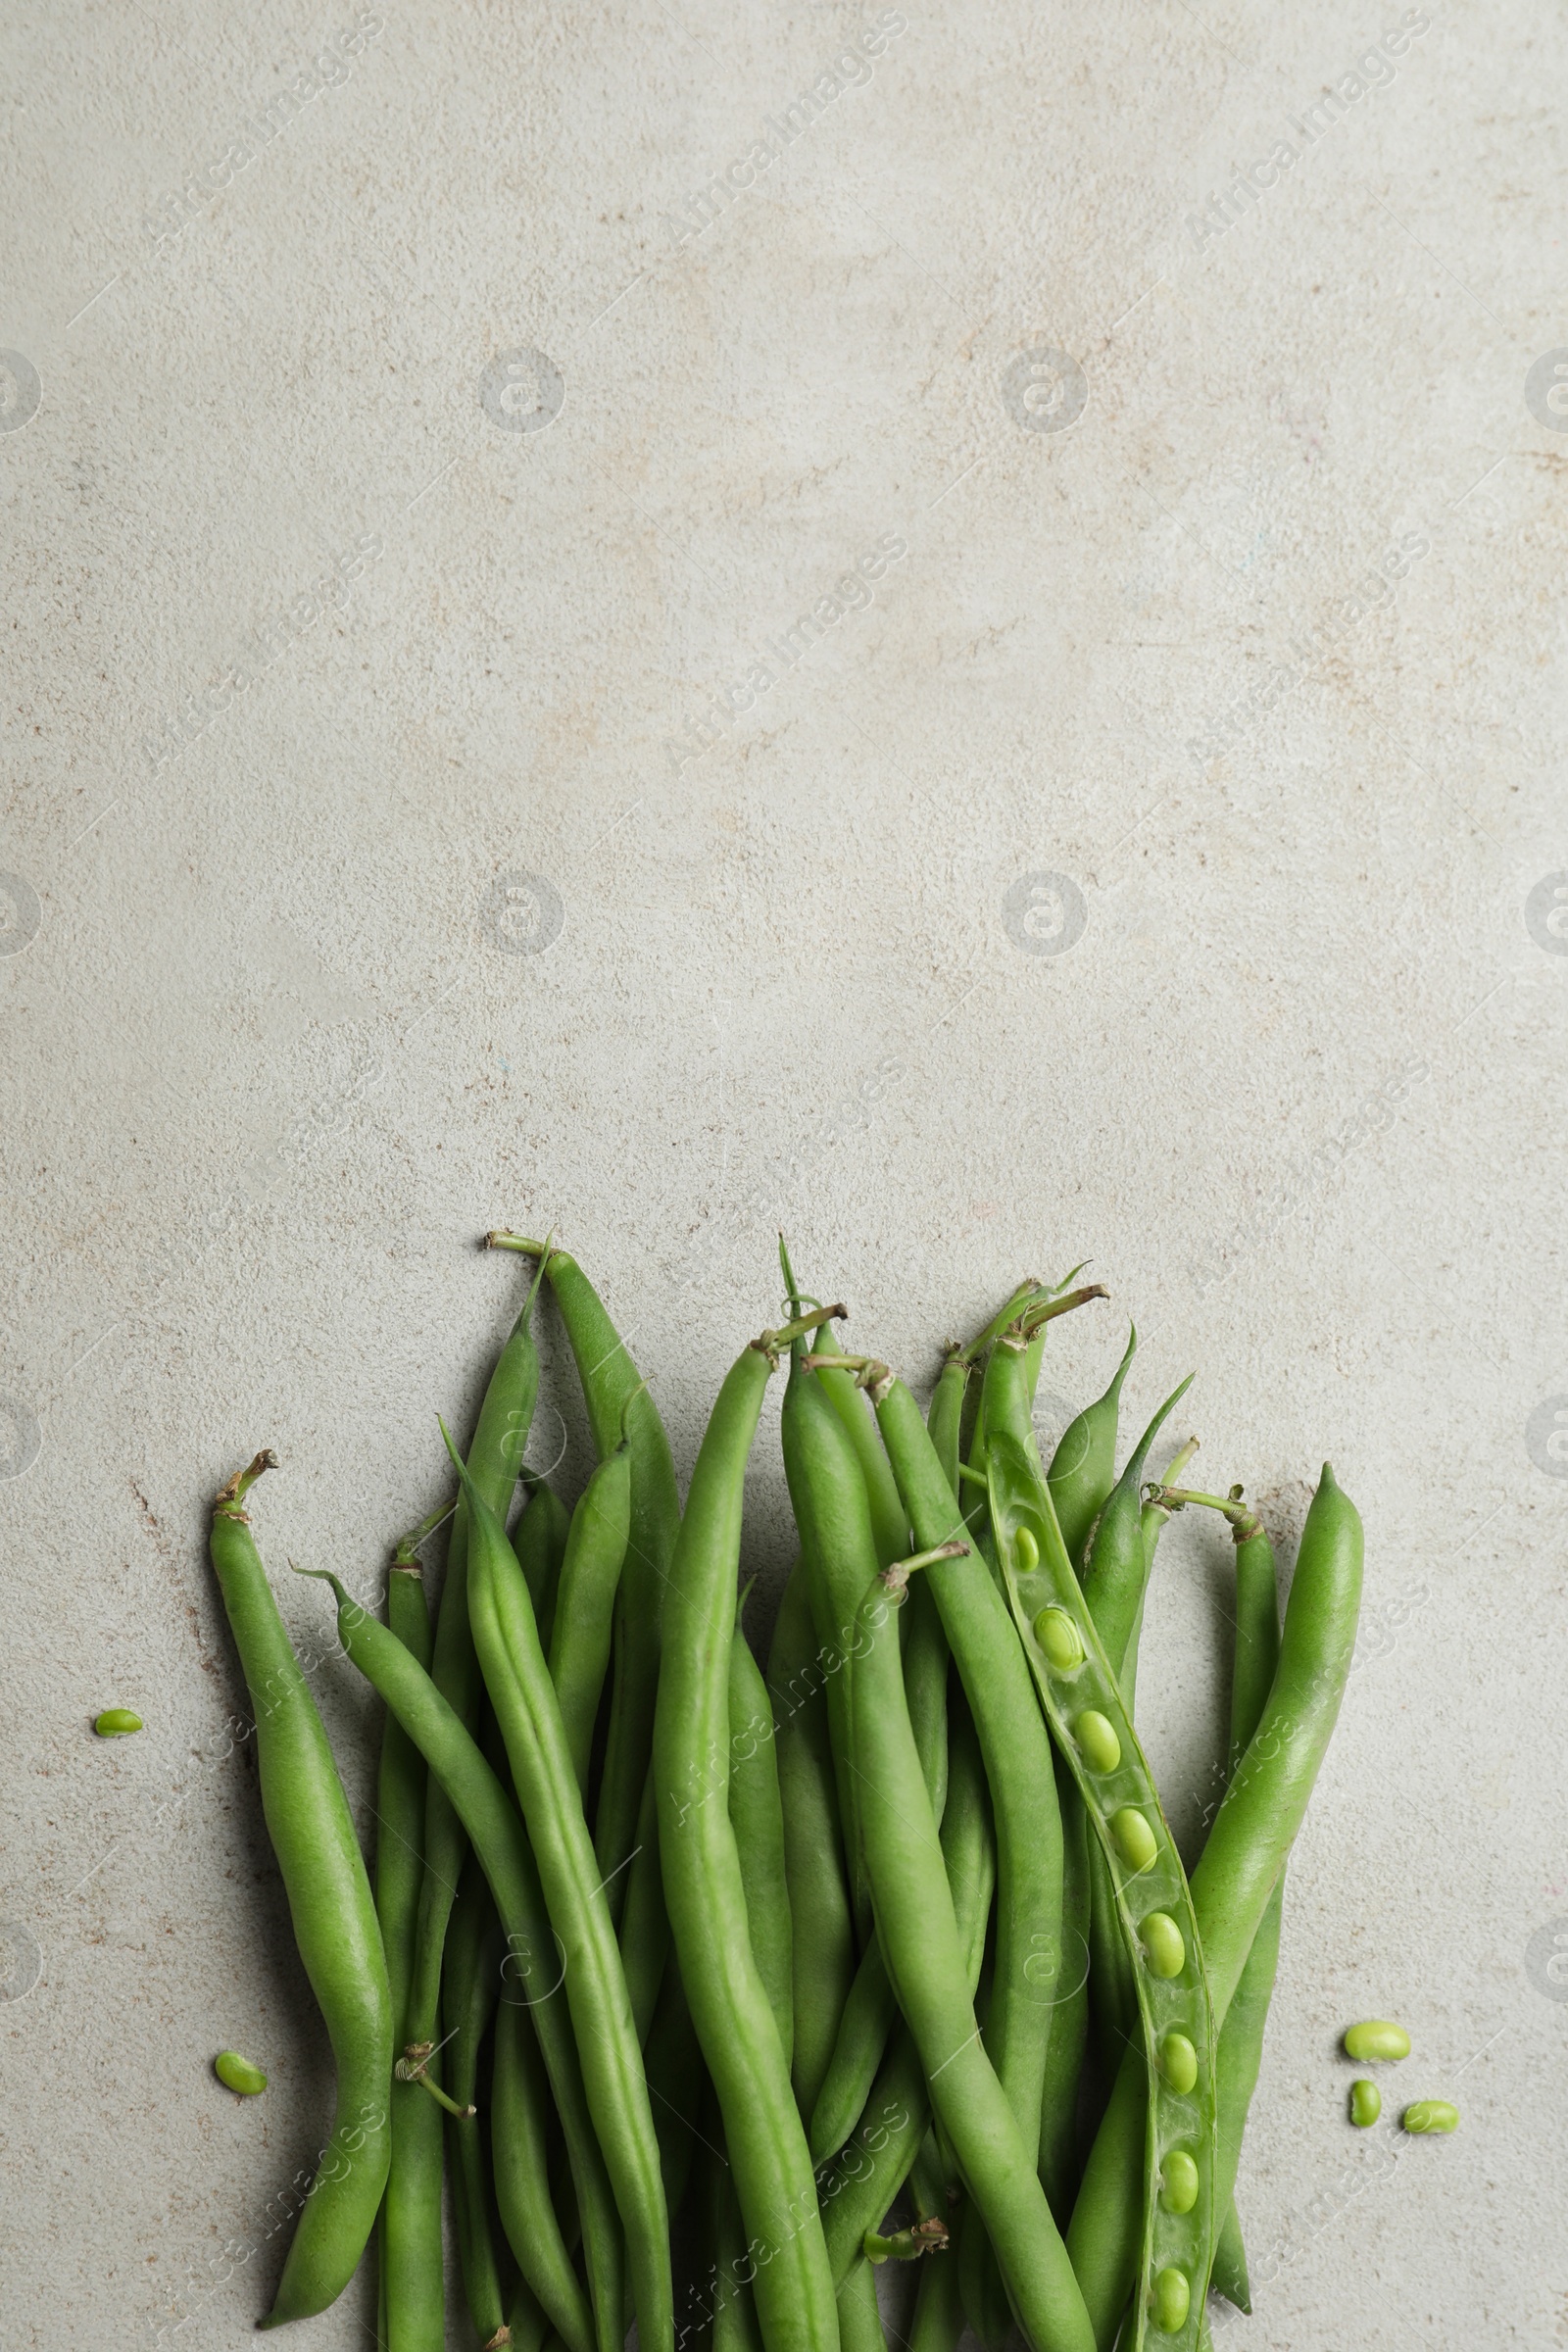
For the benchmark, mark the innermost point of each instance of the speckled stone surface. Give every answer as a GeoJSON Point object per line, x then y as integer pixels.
{"type": "Point", "coordinates": [942, 629]}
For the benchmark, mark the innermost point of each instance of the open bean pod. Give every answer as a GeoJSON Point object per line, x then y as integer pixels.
{"type": "Point", "coordinates": [1083, 1705]}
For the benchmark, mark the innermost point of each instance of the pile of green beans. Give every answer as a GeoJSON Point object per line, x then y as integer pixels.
{"type": "Point", "coordinates": [705, 1990]}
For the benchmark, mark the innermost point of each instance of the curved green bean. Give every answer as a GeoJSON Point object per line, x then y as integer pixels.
{"type": "Point", "coordinates": [333, 1911]}
{"type": "Point", "coordinates": [469, 1986]}
{"type": "Point", "coordinates": [520, 2163]}
{"type": "Point", "coordinates": [1083, 1468]}
{"type": "Point", "coordinates": [918, 1929]}
{"type": "Point", "coordinates": [644, 1930]}
{"type": "Point", "coordinates": [539, 1544]}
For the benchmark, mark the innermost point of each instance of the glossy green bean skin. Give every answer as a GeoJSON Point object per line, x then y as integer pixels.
{"type": "Point", "coordinates": [704, 1889]}
{"type": "Point", "coordinates": [1245, 1851]}
{"type": "Point", "coordinates": [918, 1929]}
{"type": "Point", "coordinates": [870, 2009]}
{"type": "Point", "coordinates": [539, 1544]}
{"type": "Point", "coordinates": [858, 2187]}
{"type": "Point", "coordinates": [410, 2217]}
{"type": "Point", "coordinates": [333, 1916]}
{"type": "Point", "coordinates": [1094, 1734]}
{"type": "Point", "coordinates": [757, 1817]}
{"type": "Point", "coordinates": [469, 1988]}
{"type": "Point", "coordinates": [821, 1933]}
{"type": "Point", "coordinates": [490, 1820]}
{"type": "Point", "coordinates": [838, 1554]}
{"type": "Point", "coordinates": [520, 2163]}
{"type": "Point", "coordinates": [523, 1698]}
{"type": "Point", "coordinates": [644, 1930]}
{"type": "Point", "coordinates": [1018, 1764]}
{"type": "Point", "coordinates": [611, 1386]}
{"type": "Point", "coordinates": [1083, 1468]}
{"type": "Point", "coordinates": [585, 1601]}
{"type": "Point", "coordinates": [501, 1432]}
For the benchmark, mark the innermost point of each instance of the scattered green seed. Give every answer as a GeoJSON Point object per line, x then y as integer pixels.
{"type": "Point", "coordinates": [1377, 2039]}
{"type": "Point", "coordinates": [1430, 2114]}
{"type": "Point", "coordinates": [1059, 1638]}
{"type": "Point", "coordinates": [1163, 1949]}
{"type": "Point", "coordinates": [238, 2074]}
{"type": "Point", "coordinates": [114, 1722]}
{"type": "Point", "coordinates": [1178, 2183]}
{"type": "Point", "coordinates": [1098, 1738]}
{"type": "Point", "coordinates": [1178, 2063]}
{"type": "Point", "coordinates": [1172, 2301]}
{"type": "Point", "coordinates": [1366, 2103]}
{"type": "Point", "coordinates": [1028, 1550]}
{"type": "Point", "coordinates": [1136, 1841]}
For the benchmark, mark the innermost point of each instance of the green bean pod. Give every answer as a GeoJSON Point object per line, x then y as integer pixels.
{"type": "Point", "coordinates": [1229, 2277]}
{"type": "Point", "coordinates": [1018, 1764]}
{"type": "Point", "coordinates": [918, 1929]}
{"type": "Point", "coordinates": [889, 1530]}
{"type": "Point", "coordinates": [585, 1601]}
{"type": "Point", "coordinates": [612, 1389]}
{"type": "Point", "coordinates": [333, 1915]}
{"type": "Point", "coordinates": [1245, 1851]}
{"type": "Point", "coordinates": [945, 1417]}
{"type": "Point", "coordinates": [1083, 1468]}
{"type": "Point", "coordinates": [469, 1980]}
{"type": "Point", "coordinates": [644, 1930]}
{"type": "Point", "coordinates": [757, 1817]}
{"type": "Point", "coordinates": [410, 2216]}
{"type": "Point", "coordinates": [1088, 1721]}
{"type": "Point", "coordinates": [702, 1885]}
{"type": "Point", "coordinates": [490, 1822]}
{"type": "Point", "coordinates": [542, 1770]}
{"type": "Point", "coordinates": [870, 2009]}
{"type": "Point", "coordinates": [520, 2163]}
{"type": "Point", "coordinates": [676, 2080]}
{"type": "Point", "coordinates": [1069, 2017]}
{"type": "Point", "coordinates": [501, 1434]}
{"type": "Point", "coordinates": [539, 1545]}
{"type": "Point", "coordinates": [821, 1932]}
{"type": "Point", "coordinates": [859, 2186]}
{"type": "Point", "coordinates": [838, 1554]}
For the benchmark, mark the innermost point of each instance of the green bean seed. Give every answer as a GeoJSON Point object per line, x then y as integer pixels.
{"type": "Point", "coordinates": [1172, 2301]}
{"type": "Point", "coordinates": [1097, 1736]}
{"type": "Point", "coordinates": [1378, 2037]}
{"type": "Point", "coordinates": [1136, 1841]}
{"type": "Point", "coordinates": [1163, 1949]}
{"type": "Point", "coordinates": [1178, 2183]}
{"type": "Point", "coordinates": [239, 2073]}
{"type": "Point", "coordinates": [1178, 2063]}
{"type": "Point", "coordinates": [114, 1722]}
{"type": "Point", "coordinates": [1057, 1636]}
{"type": "Point", "coordinates": [1366, 2103]}
{"type": "Point", "coordinates": [1430, 2114]}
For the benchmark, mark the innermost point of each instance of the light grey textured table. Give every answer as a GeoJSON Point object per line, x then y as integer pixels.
{"type": "Point", "coordinates": [944, 629]}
